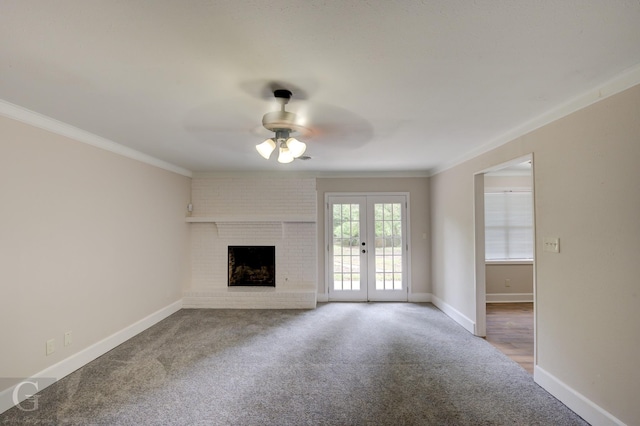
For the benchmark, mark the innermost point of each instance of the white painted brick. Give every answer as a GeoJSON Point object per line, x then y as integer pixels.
{"type": "Point", "coordinates": [295, 242]}
{"type": "Point", "coordinates": [268, 196]}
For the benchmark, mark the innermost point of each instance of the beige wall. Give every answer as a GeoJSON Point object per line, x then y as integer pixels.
{"type": "Point", "coordinates": [501, 183]}
{"type": "Point", "coordinates": [418, 189]}
{"type": "Point", "coordinates": [587, 192]}
{"type": "Point", "coordinates": [91, 242]}
{"type": "Point", "coordinates": [520, 279]}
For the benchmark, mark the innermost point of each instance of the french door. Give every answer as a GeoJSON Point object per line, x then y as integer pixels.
{"type": "Point", "coordinates": [367, 247]}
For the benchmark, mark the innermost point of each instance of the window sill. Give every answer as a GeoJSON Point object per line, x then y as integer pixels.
{"type": "Point", "coordinates": [509, 262]}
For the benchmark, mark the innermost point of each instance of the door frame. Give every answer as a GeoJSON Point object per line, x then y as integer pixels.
{"type": "Point", "coordinates": [480, 327]}
{"type": "Point", "coordinates": [328, 232]}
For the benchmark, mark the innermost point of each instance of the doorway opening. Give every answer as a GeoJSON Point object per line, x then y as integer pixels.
{"type": "Point", "coordinates": [505, 256]}
{"type": "Point", "coordinates": [510, 330]}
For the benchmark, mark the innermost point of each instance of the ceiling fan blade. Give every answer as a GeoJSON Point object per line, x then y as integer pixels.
{"type": "Point", "coordinates": [332, 125]}
{"type": "Point", "coordinates": [235, 113]}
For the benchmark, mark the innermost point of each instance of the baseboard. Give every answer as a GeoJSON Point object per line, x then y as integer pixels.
{"type": "Point", "coordinates": [509, 297]}
{"type": "Point", "coordinates": [420, 297]}
{"type": "Point", "coordinates": [322, 297]}
{"type": "Point", "coordinates": [454, 314]}
{"type": "Point", "coordinates": [79, 359]}
{"type": "Point", "coordinates": [577, 402]}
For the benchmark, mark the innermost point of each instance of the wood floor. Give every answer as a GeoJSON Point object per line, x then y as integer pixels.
{"type": "Point", "coordinates": [510, 329]}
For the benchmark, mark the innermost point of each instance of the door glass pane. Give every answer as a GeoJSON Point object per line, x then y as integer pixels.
{"type": "Point", "coordinates": [388, 246]}
{"type": "Point", "coordinates": [346, 250]}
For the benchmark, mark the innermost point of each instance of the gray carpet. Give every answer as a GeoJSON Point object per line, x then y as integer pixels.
{"type": "Point", "coordinates": [341, 364]}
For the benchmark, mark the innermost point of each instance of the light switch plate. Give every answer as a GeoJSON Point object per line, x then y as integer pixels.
{"type": "Point", "coordinates": [551, 244]}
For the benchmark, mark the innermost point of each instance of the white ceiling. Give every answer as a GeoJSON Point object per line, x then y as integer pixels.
{"type": "Point", "coordinates": [407, 86]}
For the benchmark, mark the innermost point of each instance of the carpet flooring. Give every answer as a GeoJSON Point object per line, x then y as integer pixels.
{"type": "Point", "coordinates": [340, 364]}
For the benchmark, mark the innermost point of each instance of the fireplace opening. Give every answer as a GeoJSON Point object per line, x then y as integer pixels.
{"type": "Point", "coordinates": [252, 266]}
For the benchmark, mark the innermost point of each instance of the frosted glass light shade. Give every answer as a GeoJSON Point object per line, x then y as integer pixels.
{"type": "Point", "coordinates": [296, 147]}
{"type": "Point", "coordinates": [285, 155]}
{"type": "Point", "coordinates": [266, 148]}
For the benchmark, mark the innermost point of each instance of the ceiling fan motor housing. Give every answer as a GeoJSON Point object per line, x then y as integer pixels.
{"type": "Point", "coordinates": [279, 120]}
{"type": "Point", "coordinates": [282, 94]}
{"type": "Point", "coordinates": [283, 120]}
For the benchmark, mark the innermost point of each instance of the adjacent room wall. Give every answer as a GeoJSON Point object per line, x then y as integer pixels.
{"type": "Point", "coordinates": [91, 242]}
{"type": "Point", "coordinates": [418, 189]}
{"type": "Point", "coordinates": [511, 282]}
{"type": "Point", "coordinates": [587, 193]}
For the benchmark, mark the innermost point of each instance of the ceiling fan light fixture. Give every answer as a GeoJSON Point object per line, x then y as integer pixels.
{"type": "Point", "coordinates": [266, 148]}
{"type": "Point", "coordinates": [285, 155]}
{"type": "Point", "coordinates": [296, 147]}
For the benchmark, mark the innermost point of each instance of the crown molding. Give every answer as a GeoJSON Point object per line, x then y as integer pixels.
{"type": "Point", "coordinates": [620, 83]}
{"type": "Point", "coordinates": [312, 174]}
{"type": "Point", "coordinates": [44, 122]}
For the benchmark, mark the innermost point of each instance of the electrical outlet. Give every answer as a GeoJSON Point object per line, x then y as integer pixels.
{"type": "Point", "coordinates": [507, 282]}
{"type": "Point", "coordinates": [67, 338]}
{"type": "Point", "coordinates": [51, 346]}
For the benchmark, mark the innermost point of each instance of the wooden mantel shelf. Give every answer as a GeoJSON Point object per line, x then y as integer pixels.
{"type": "Point", "coordinates": [251, 219]}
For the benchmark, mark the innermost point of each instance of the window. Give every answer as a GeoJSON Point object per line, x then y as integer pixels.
{"type": "Point", "coordinates": [508, 225]}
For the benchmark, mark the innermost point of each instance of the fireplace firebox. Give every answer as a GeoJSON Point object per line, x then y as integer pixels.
{"type": "Point", "coordinates": [252, 266]}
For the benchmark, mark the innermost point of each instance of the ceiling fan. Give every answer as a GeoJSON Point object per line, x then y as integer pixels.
{"type": "Point", "coordinates": [284, 124]}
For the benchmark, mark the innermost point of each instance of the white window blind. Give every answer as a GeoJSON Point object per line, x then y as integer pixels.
{"type": "Point", "coordinates": [508, 225]}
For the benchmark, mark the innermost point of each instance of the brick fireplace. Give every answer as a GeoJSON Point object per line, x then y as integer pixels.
{"type": "Point", "coordinates": [274, 212]}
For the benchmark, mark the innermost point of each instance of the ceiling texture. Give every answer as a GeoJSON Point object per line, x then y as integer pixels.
{"type": "Point", "coordinates": [386, 87]}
